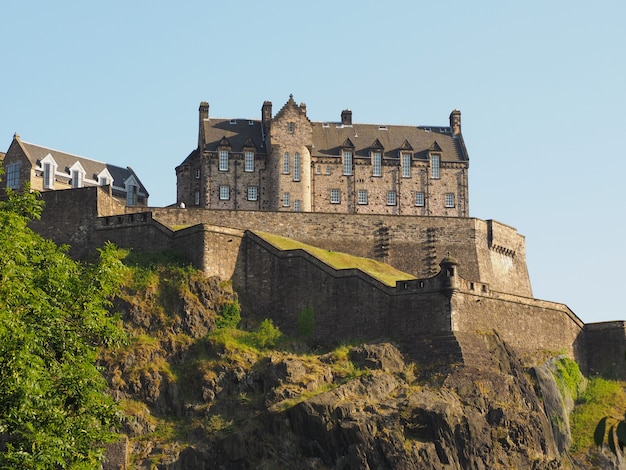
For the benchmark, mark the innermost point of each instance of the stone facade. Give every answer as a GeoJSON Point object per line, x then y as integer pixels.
{"type": "Point", "coordinates": [289, 163]}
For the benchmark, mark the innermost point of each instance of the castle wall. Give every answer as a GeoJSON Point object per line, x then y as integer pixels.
{"type": "Point", "coordinates": [409, 243]}
{"type": "Point", "coordinates": [606, 349]}
{"type": "Point", "coordinates": [533, 327]}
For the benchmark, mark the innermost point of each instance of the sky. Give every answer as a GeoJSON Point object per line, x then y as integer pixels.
{"type": "Point", "coordinates": [540, 85]}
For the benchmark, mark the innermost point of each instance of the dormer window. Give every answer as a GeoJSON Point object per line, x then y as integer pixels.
{"type": "Point", "coordinates": [435, 162]}
{"type": "Point", "coordinates": [347, 162]}
{"type": "Point", "coordinates": [105, 178]}
{"type": "Point", "coordinates": [405, 161]}
{"type": "Point", "coordinates": [223, 160]}
{"type": "Point", "coordinates": [378, 164]}
{"type": "Point", "coordinates": [49, 167]}
{"type": "Point", "coordinates": [249, 161]}
{"type": "Point", "coordinates": [78, 175]}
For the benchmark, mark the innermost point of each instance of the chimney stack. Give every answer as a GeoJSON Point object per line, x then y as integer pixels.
{"type": "Point", "coordinates": [455, 122]}
{"type": "Point", "coordinates": [266, 117]}
{"type": "Point", "coordinates": [203, 113]}
{"type": "Point", "coordinates": [346, 117]}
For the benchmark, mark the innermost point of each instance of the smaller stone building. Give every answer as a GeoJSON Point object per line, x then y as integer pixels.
{"type": "Point", "coordinates": [46, 169]}
{"type": "Point", "coordinates": [288, 163]}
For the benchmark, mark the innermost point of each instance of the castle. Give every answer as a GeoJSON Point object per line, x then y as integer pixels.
{"type": "Point", "coordinates": [288, 163]}
{"type": "Point", "coordinates": [470, 274]}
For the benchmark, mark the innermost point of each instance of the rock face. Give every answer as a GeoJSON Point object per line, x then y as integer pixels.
{"type": "Point", "coordinates": [368, 407]}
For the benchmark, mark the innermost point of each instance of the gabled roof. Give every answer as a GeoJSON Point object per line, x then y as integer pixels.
{"type": "Point", "coordinates": [36, 153]}
{"type": "Point", "coordinates": [240, 134]}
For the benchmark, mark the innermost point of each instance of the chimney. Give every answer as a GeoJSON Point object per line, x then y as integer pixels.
{"type": "Point", "coordinates": [346, 117]}
{"type": "Point", "coordinates": [455, 122]}
{"type": "Point", "coordinates": [266, 117]}
{"type": "Point", "coordinates": [203, 113]}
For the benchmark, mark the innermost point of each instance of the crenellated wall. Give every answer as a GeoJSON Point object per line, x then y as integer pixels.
{"type": "Point", "coordinates": [487, 290]}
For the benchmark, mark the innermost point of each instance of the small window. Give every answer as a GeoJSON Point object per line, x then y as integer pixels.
{"type": "Point", "coordinates": [103, 180]}
{"type": "Point", "coordinates": [253, 193]}
{"type": "Point", "coordinates": [249, 162]}
{"type": "Point", "coordinates": [223, 165]}
{"type": "Point", "coordinates": [435, 161]}
{"type": "Point", "coordinates": [378, 160]}
{"type": "Point", "coordinates": [224, 193]}
{"type": "Point", "coordinates": [406, 165]}
{"type": "Point", "coordinates": [285, 199]}
{"type": "Point", "coordinates": [362, 196]}
{"type": "Point", "coordinates": [449, 199]}
{"type": "Point", "coordinates": [291, 127]}
{"type": "Point", "coordinates": [296, 166]}
{"type": "Point", "coordinates": [197, 173]}
{"type": "Point", "coordinates": [296, 205]}
{"type": "Point", "coordinates": [48, 176]}
{"type": "Point", "coordinates": [77, 179]}
{"type": "Point", "coordinates": [286, 163]}
{"type": "Point", "coordinates": [419, 199]}
{"type": "Point", "coordinates": [347, 163]}
{"type": "Point", "coordinates": [391, 198]}
{"type": "Point", "coordinates": [131, 195]}
{"type": "Point", "coordinates": [335, 196]}
{"type": "Point", "coordinates": [318, 169]}
{"type": "Point", "coordinates": [13, 175]}
{"type": "Point", "coordinates": [328, 169]}
{"type": "Point", "coordinates": [196, 198]}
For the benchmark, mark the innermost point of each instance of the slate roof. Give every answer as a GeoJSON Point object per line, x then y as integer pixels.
{"type": "Point", "coordinates": [64, 160]}
{"type": "Point", "coordinates": [330, 137]}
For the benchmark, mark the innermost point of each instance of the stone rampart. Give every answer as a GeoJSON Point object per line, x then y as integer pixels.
{"type": "Point", "coordinates": [606, 349]}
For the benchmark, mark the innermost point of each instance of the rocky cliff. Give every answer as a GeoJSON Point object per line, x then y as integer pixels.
{"type": "Point", "coordinates": [202, 397]}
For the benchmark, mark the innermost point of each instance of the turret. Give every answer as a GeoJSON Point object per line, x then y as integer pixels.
{"type": "Point", "coordinates": [449, 266]}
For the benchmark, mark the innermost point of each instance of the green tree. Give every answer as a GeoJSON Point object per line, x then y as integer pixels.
{"type": "Point", "coordinates": [54, 316]}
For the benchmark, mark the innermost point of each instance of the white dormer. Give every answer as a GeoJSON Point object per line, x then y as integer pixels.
{"type": "Point", "coordinates": [132, 188]}
{"type": "Point", "coordinates": [77, 173]}
{"type": "Point", "coordinates": [105, 178]}
{"type": "Point", "coordinates": [49, 167]}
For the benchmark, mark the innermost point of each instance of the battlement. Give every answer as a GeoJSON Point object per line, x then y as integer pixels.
{"type": "Point", "coordinates": [485, 287]}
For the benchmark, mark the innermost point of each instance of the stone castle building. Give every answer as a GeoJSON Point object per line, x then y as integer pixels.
{"type": "Point", "coordinates": [288, 163]}
{"type": "Point", "coordinates": [46, 169]}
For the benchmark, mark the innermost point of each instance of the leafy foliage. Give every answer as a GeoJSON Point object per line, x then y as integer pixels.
{"type": "Point", "coordinates": [53, 319]}
{"type": "Point", "coordinates": [230, 316]}
{"type": "Point", "coordinates": [306, 322]}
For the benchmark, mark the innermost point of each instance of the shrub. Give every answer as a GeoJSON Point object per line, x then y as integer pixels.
{"type": "Point", "coordinates": [268, 334]}
{"type": "Point", "coordinates": [306, 322]}
{"type": "Point", "coordinates": [229, 317]}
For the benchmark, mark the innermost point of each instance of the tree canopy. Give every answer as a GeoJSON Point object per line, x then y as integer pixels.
{"type": "Point", "coordinates": [54, 315]}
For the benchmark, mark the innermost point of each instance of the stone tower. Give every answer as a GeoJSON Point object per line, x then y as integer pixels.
{"type": "Point", "coordinates": [289, 142]}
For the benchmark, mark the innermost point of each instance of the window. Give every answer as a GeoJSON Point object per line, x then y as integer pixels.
{"type": "Point", "coordinates": [253, 193]}
{"type": "Point", "coordinates": [48, 176]}
{"type": "Point", "coordinates": [223, 166]}
{"type": "Point", "coordinates": [318, 169]}
{"type": "Point", "coordinates": [296, 205]}
{"type": "Point", "coordinates": [362, 196]}
{"type": "Point", "coordinates": [419, 199]}
{"type": "Point", "coordinates": [347, 163]}
{"type": "Point", "coordinates": [196, 198]}
{"type": "Point", "coordinates": [131, 195]}
{"type": "Point", "coordinates": [434, 164]}
{"type": "Point", "coordinates": [249, 162]}
{"type": "Point", "coordinates": [449, 199]}
{"type": "Point", "coordinates": [290, 127]}
{"type": "Point", "coordinates": [406, 165]}
{"type": "Point", "coordinates": [286, 163]}
{"type": "Point", "coordinates": [285, 199]}
{"type": "Point", "coordinates": [335, 196]}
{"type": "Point", "coordinates": [296, 167]}
{"type": "Point", "coordinates": [77, 179]}
{"type": "Point", "coordinates": [197, 173]}
{"type": "Point", "coordinates": [391, 198]}
{"type": "Point", "coordinates": [104, 181]}
{"type": "Point", "coordinates": [328, 170]}
{"type": "Point", "coordinates": [378, 161]}
{"type": "Point", "coordinates": [224, 193]}
{"type": "Point", "coordinates": [13, 175]}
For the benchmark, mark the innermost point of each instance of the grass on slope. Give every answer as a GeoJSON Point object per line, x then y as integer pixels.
{"type": "Point", "coordinates": [381, 271]}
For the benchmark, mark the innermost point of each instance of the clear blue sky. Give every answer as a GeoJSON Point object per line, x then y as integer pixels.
{"type": "Point", "coordinates": [540, 85]}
